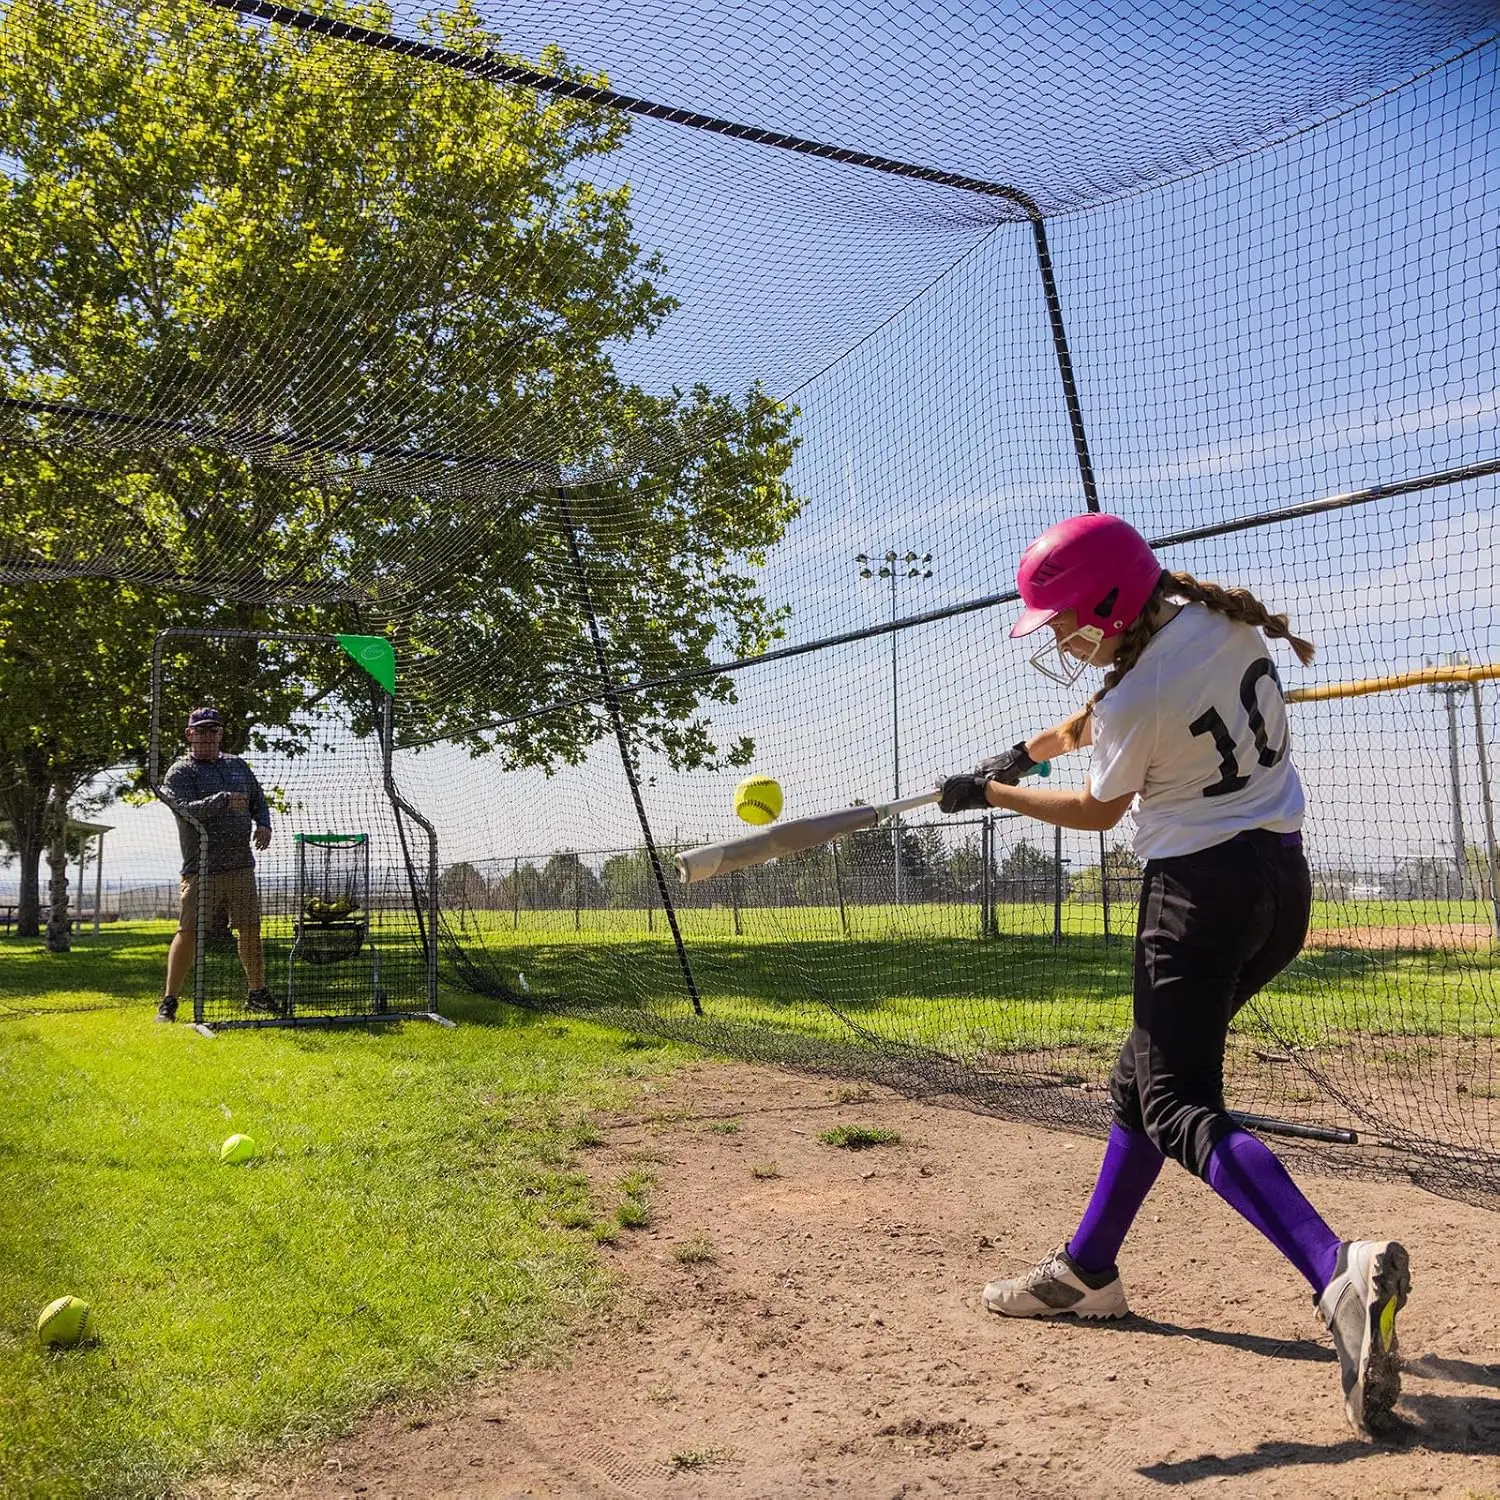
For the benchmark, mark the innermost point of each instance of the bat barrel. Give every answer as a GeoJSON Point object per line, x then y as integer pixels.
{"type": "Point", "coordinates": [708, 860]}
{"type": "Point", "coordinates": [698, 864]}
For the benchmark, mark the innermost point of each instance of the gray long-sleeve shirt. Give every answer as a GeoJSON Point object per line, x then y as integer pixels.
{"type": "Point", "coordinates": [201, 789]}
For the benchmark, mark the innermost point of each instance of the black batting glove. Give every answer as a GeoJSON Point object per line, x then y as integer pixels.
{"type": "Point", "coordinates": [1009, 766]}
{"type": "Point", "coordinates": [964, 794]}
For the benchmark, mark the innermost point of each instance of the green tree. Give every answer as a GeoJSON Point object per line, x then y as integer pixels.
{"type": "Point", "coordinates": [1123, 870]}
{"type": "Point", "coordinates": [627, 881]}
{"type": "Point", "coordinates": [925, 864]}
{"type": "Point", "coordinates": [332, 260]}
{"type": "Point", "coordinates": [1477, 871]}
{"type": "Point", "coordinates": [1426, 877]}
{"type": "Point", "coordinates": [461, 885]}
{"type": "Point", "coordinates": [66, 652]}
{"type": "Point", "coordinates": [966, 869]}
{"type": "Point", "coordinates": [566, 882]}
{"type": "Point", "coordinates": [1026, 874]}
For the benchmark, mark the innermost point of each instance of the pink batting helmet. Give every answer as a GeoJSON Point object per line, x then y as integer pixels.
{"type": "Point", "coordinates": [1098, 566]}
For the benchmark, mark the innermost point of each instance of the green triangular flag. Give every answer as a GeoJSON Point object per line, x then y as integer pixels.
{"type": "Point", "coordinates": [376, 655]}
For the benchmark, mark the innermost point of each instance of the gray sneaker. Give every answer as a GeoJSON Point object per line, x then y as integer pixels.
{"type": "Point", "coordinates": [166, 1012]}
{"type": "Point", "coordinates": [1371, 1280]}
{"type": "Point", "coordinates": [1059, 1285]}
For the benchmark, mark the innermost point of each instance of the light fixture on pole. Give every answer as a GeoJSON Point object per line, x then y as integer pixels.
{"type": "Point", "coordinates": [917, 570]}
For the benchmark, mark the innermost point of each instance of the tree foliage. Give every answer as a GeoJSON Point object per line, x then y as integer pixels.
{"type": "Point", "coordinates": [368, 307]}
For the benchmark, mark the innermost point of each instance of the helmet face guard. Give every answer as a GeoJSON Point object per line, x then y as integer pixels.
{"type": "Point", "coordinates": [1053, 659]}
{"type": "Point", "coordinates": [1099, 568]}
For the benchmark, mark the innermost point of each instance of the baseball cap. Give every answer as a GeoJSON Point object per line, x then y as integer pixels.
{"type": "Point", "coordinates": [205, 718]}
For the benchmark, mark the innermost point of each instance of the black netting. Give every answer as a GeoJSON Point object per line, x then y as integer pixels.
{"type": "Point", "coordinates": [600, 406]}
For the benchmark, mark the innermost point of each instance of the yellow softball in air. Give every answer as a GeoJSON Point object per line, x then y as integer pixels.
{"type": "Point", "coordinates": [64, 1323]}
{"type": "Point", "coordinates": [757, 799]}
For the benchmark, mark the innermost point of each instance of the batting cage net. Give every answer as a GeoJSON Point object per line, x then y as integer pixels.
{"type": "Point", "coordinates": [307, 881]}
{"type": "Point", "coordinates": [674, 387]}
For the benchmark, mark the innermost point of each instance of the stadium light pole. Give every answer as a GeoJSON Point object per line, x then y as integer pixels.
{"type": "Point", "coordinates": [896, 566]}
{"type": "Point", "coordinates": [1452, 692]}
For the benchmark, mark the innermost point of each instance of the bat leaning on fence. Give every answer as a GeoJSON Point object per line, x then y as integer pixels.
{"type": "Point", "coordinates": [708, 860]}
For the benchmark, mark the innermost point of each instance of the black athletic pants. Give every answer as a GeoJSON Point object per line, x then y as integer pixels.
{"type": "Point", "coordinates": [1214, 928]}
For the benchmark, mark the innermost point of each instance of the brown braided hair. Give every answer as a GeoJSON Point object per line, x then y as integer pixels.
{"type": "Point", "coordinates": [1239, 605]}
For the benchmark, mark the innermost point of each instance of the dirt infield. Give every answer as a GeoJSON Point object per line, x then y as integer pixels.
{"type": "Point", "coordinates": [802, 1320]}
{"type": "Point", "coordinates": [1415, 937]}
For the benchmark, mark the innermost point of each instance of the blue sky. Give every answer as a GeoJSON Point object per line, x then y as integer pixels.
{"type": "Point", "coordinates": [1310, 318]}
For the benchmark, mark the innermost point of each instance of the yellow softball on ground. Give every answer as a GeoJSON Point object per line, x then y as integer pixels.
{"type": "Point", "coordinates": [757, 799]}
{"type": "Point", "coordinates": [64, 1323]}
{"type": "Point", "coordinates": [237, 1150]}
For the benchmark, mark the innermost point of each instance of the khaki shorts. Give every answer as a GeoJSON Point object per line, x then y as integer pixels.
{"type": "Point", "coordinates": [232, 896]}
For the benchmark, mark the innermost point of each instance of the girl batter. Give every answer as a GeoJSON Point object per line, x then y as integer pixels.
{"type": "Point", "coordinates": [1189, 732]}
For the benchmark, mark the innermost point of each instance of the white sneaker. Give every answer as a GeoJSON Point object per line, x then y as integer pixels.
{"type": "Point", "coordinates": [1371, 1280]}
{"type": "Point", "coordinates": [1059, 1285]}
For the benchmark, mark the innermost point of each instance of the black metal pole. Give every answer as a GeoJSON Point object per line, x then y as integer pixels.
{"type": "Point", "coordinates": [1104, 884]}
{"type": "Point", "coordinates": [627, 759]}
{"type": "Point", "coordinates": [427, 931]}
{"type": "Point", "coordinates": [1057, 887]}
{"type": "Point", "coordinates": [1064, 361]}
{"type": "Point", "coordinates": [986, 853]}
{"type": "Point", "coordinates": [838, 886]}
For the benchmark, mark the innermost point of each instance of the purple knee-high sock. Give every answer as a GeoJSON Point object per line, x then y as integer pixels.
{"type": "Point", "coordinates": [1247, 1175]}
{"type": "Point", "coordinates": [1131, 1165]}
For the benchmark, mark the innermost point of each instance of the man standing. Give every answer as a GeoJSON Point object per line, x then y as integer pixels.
{"type": "Point", "coordinates": [219, 791]}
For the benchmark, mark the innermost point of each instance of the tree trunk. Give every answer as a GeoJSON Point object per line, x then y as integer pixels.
{"type": "Point", "coordinates": [25, 807]}
{"type": "Point", "coordinates": [57, 857]}
{"type": "Point", "coordinates": [29, 897]}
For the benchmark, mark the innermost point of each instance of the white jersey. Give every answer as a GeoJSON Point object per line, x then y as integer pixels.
{"type": "Point", "coordinates": [1198, 730]}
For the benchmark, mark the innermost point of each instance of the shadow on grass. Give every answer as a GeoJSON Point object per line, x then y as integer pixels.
{"type": "Point", "coordinates": [852, 974]}
{"type": "Point", "coordinates": [122, 966]}
{"type": "Point", "coordinates": [125, 965]}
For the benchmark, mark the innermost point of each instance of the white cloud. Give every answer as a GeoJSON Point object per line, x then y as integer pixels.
{"type": "Point", "coordinates": [1330, 434]}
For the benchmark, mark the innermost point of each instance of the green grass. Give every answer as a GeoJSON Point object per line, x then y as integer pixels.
{"type": "Point", "coordinates": [633, 1213]}
{"type": "Point", "coordinates": [977, 999]}
{"type": "Point", "coordinates": [694, 1460]}
{"type": "Point", "coordinates": [921, 919]}
{"type": "Point", "coordinates": [417, 1215]}
{"type": "Point", "coordinates": [859, 1137]}
{"type": "Point", "coordinates": [404, 1228]}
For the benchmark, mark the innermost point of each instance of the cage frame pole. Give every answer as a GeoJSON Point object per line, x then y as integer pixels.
{"type": "Point", "coordinates": [401, 805]}
{"type": "Point", "coordinates": [1492, 854]}
{"type": "Point", "coordinates": [622, 740]}
{"type": "Point", "coordinates": [1104, 887]}
{"type": "Point", "coordinates": [1057, 886]}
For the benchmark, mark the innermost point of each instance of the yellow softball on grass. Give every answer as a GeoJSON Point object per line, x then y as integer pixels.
{"type": "Point", "coordinates": [237, 1150]}
{"type": "Point", "coordinates": [64, 1323]}
{"type": "Point", "coordinates": [757, 799]}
